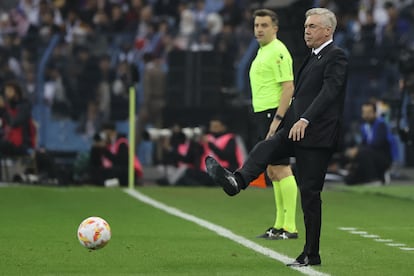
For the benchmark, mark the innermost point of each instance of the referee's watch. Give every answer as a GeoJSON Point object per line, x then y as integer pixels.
{"type": "Point", "coordinates": [278, 117]}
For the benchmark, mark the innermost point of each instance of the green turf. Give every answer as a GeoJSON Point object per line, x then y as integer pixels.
{"type": "Point", "coordinates": [402, 191]}
{"type": "Point", "coordinates": [38, 233]}
{"type": "Point", "coordinates": [38, 237]}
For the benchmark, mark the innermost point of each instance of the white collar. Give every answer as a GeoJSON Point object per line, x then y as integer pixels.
{"type": "Point", "coordinates": [317, 50]}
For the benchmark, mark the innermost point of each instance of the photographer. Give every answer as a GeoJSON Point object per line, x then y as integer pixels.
{"type": "Point", "coordinates": [182, 153]}
{"type": "Point", "coordinates": [223, 145]}
{"type": "Point", "coordinates": [109, 158]}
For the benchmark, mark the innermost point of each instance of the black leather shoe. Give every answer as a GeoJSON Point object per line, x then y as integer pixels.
{"type": "Point", "coordinates": [222, 177]}
{"type": "Point", "coordinates": [304, 260]}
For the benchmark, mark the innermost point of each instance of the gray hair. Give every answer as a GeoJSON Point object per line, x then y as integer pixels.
{"type": "Point", "coordinates": [328, 17]}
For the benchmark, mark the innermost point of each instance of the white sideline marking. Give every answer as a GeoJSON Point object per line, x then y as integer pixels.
{"type": "Point", "coordinates": [370, 236]}
{"type": "Point", "coordinates": [222, 232]}
{"type": "Point", "coordinates": [396, 244]}
{"type": "Point", "coordinates": [389, 242]}
{"type": "Point", "coordinates": [359, 232]}
{"type": "Point", "coordinates": [383, 240]}
{"type": "Point", "coordinates": [347, 228]}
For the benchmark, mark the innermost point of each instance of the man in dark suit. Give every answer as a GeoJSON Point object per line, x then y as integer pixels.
{"type": "Point", "coordinates": [309, 131]}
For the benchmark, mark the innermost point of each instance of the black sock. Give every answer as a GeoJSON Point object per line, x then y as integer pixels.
{"type": "Point", "coordinates": [240, 180]}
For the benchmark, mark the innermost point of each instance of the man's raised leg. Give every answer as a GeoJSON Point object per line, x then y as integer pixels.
{"type": "Point", "coordinates": [275, 148]}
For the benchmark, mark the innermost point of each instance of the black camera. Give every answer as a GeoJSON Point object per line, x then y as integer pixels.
{"type": "Point", "coordinates": [154, 134]}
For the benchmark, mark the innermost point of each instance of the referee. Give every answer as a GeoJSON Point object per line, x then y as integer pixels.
{"type": "Point", "coordinates": [271, 80]}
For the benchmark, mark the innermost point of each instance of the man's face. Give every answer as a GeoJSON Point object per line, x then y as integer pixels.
{"type": "Point", "coordinates": [217, 127]}
{"type": "Point", "coordinates": [109, 135]}
{"type": "Point", "coordinates": [316, 33]}
{"type": "Point", "coordinates": [9, 92]}
{"type": "Point", "coordinates": [368, 113]}
{"type": "Point", "coordinates": [264, 30]}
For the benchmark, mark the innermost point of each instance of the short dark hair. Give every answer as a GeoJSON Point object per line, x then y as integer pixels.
{"type": "Point", "coordinates": [267, 12]}
{"type": "Point", "coordinates": [372, 104]}
{"type": "Point", "coordinates": [109, 125]}
{"type": "Point", "coordinates": [220, 118]}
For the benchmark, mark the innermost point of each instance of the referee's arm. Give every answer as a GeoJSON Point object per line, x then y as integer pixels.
{"type": "Point", "coordinates": [285, 97]}
{"type": "Point", "coordinates": [287, 93]}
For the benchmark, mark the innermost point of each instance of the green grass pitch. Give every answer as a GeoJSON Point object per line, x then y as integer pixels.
{"type": "Point", "coordinates": [38, 232]}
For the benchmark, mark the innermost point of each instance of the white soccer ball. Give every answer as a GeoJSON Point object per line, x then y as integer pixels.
{"type": "Point", "coordinates": [94, 233]}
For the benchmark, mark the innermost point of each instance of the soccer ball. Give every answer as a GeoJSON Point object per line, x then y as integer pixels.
{"type": "Point", "coordinates": [94, 233]}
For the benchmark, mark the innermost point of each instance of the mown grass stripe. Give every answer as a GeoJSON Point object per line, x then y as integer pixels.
{"type": "Point", "coordinates": [222, 232]}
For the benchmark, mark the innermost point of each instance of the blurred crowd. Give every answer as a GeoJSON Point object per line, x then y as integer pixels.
{"type": "Point", "coordinates": [102, 44]}
{"type": "Point", "coordinates": [103, 47]}
{"type": "Point", "coordinates": [377, 35]}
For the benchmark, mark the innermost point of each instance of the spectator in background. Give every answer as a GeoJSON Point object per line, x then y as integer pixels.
{"type": "Point", "coordinates": [118, 22]}
{"type": "Point", "coordinates": [76, 66]}
{"type": "Point", "coordinates": [71, 25]}
{"type": "Point", "coordinates": [168, 9]}
{"type": "Point", "coordinates": [47, 27]}
{"type": "Point", "coordinates": [226, 45]}
{"type": "Point", "coordinates": [5, 26]}
{"type": "Point", "coordinates": [231, 13]}
{"type": "Point", "coordinates": [29, 84]}
{"type": "Point", "coordinates": [145, 20]}
{"type": "Point", "coordinates": [182, 159]}
{"type": "Point", "coordinates": [223, 145]}
{"type": "Point", "coordinates": [214, 24]}
{"type": "Point", "coordinates": [202, 42]}
{"type": "Point", "coordinates": [186, 26]}
{"type": "Point", "coordinates": [16, 123]}
{"type": "Point", "coordinates": [125, 76]}
{"type": "Point", "coordinates": [103, 93]}
{"type": "Point", "coordinates": [394, 37]}
{"type": "Point", "coordinates": [31, 9]}
{"type": "Point", "coordinates": [133, 14]}
{"type": "Point", "coordinates": [153, 102]}
{"type": "Point", "coordinates": [12, 53]}
{"type": "Point", "coordinates": [6, 71]}
{"type": "Point", "coordinates": [200, 15]}
{"type": "Point", "coordinates": [55, 94]}
{"type": "Point", "coordinates": [109, 158]}
{"type": "Point", "coordinates": [91, 121]}
{"type": "Point", "coordinates": [372, 158]}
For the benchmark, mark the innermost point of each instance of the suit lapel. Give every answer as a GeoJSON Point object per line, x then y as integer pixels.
{"type": "Point", "coordinates": [308, 63]}
{"type": "Point", "coordinates": [302, 72]}
{"type": "Point", "coordinates": [305, 62]}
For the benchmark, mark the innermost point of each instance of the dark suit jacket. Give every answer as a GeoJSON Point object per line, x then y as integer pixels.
{"type": "Point", "coordinates": [319, 97]}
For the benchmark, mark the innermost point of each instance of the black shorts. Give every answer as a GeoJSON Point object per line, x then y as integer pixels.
{"type": "Point", "coordinates": [262, 121]}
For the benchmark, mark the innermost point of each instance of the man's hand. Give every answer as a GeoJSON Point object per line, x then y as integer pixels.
{"type": "Point", "coordinates": [297, 132]}
{"type": "Point", "coordinates": [272, 129]}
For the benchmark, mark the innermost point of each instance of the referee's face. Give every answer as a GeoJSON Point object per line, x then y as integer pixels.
{"type": "Point", "coordinates": [264, 29]}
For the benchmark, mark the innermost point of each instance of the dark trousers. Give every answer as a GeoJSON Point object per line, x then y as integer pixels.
{"type": "Point", "coordinates": [8, 148]}
{"type": "Point", "coordinates": [311, 164]}
{"type": "Point", "coordinates": [100, 174]}
{"type": "Point", "coordinates": [262, 121]}
{"type": "Point", "coordinates": [368, 165]}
